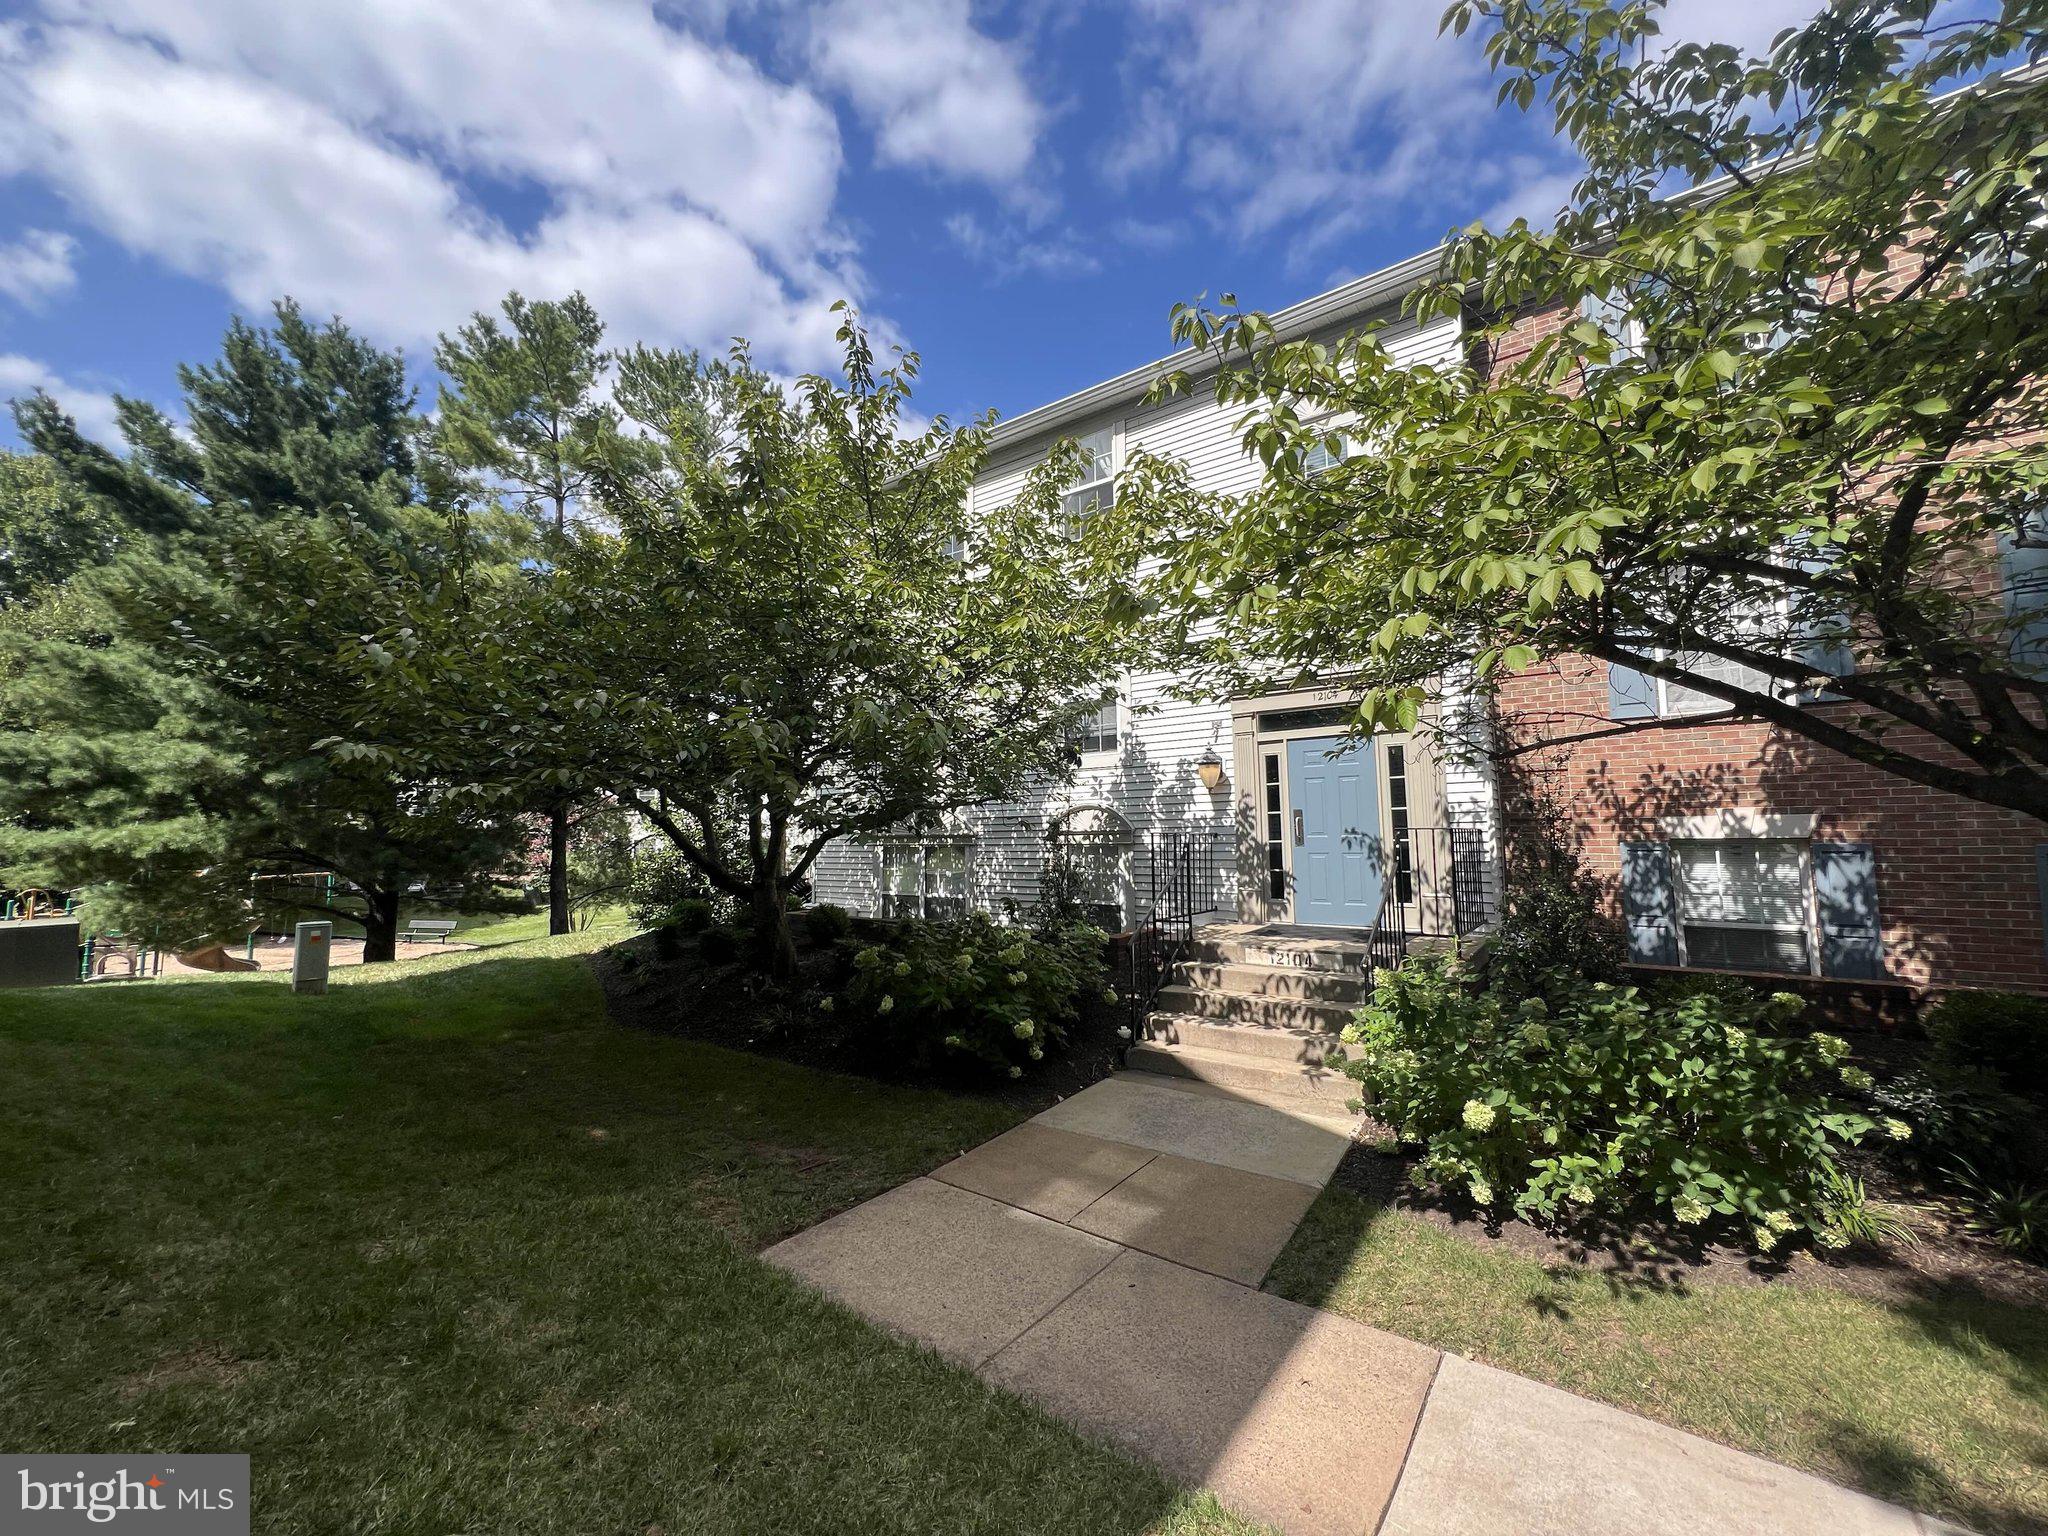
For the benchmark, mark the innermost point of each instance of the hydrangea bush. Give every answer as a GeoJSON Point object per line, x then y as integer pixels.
{"type": "Point", "coordinates": [1615, 1104]}
{"type": "Point", "coordinates": [972, 988]}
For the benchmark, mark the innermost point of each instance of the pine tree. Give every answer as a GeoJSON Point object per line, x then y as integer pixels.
{"type": "Point", "coordinates": [168, 742]}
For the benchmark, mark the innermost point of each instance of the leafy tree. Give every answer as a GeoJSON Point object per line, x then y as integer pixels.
{"type": "Point", "coordinates": [162, 748]}
{"type": "Point", "coordinates": [1789, 427]}
{"type": "Point", "coordinates": [795, 639]}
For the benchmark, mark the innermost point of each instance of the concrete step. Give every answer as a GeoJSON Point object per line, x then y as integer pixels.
{"type": "Point", "coordinates": [1346, 987]}
{"type": "Point", "coordinates": [1268, 1081]}
{"type": "Point", "coordinates": [1295, 1047]}
{"type": "Point", "coordinates": [1339, 955]}
{"type": "Point", "coordinates": [1254, 1008]}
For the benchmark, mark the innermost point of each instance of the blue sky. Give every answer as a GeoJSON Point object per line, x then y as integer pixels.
{"type": "Point", "coordinates": [1019, 190]}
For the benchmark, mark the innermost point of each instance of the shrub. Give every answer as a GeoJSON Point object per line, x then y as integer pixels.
{"type": "Point", "coordinates": [692, 915]}
{"type": "Point", "coordinates": [1555, 931]}
{"type": "Point", "coordinates": [2014, 1216]}
{"type": "Point", "coordinates": [1958, 1114]}
{"type": "Point", "coordinates": [1612, 1105]}
{"type": "Point", "coordinates": [720, 945]}
{"type": "Point", "coordinates": [668, 942]}
{"type": "Point", "coordinates": [660, 881]}
{"type": "Point", "coordinates": [970, 988]}
{"type": "Point", "coordinates": [2002, 1032]}
{"type": "Point", "coordinates": [827, 924]}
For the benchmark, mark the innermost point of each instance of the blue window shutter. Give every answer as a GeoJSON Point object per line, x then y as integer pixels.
{"type": "Point", "coordinates": [2041, 885]}
{"type": "Point", "coordinates": [1845, 894]}
{"type": "Point", "coordinates": [2026, 590]}
{"type": "Point", "coordinates": [1631, 695]}
{"type": "Point", "coordinates": [1826, 653]}
{"type": "Point", "coordinates": [1648, 904]}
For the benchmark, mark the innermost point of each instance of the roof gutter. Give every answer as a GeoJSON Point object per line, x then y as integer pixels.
{"type": "Point", "coordinates": [1373, 291]}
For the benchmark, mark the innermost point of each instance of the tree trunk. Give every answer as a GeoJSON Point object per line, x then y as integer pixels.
{"type": "Point", "coordinates": [774, 945]}
{"type": "Point", "coordinates": [558, 867]}
{"type": "Point", "coordinates": [380, 926]}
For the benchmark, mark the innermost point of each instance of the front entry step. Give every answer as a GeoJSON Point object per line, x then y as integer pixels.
{"type": "Point", "coordinates": [1254, 1008]}
{"type": "Point", "coordinates": [1344, 951]}
{"type": "Point", "coordinates": [1264, 1080]}
{"type": "Point", "coordinates": [1269, 1043]}
{"type": "Point", "coordinates": [1255, 1013]}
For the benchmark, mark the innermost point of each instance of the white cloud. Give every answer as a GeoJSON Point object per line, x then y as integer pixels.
{"type": "Point", "coordinates": [1318, 115]}
{"type": "Point", "coordinates": [92, 409]}
{"type": "Point", "coordinates": [321, 149]}
{"type": "Point", "coordinates": [1010, 252]}
{"type": "Point", "coordinates": [37, 266]}
{"type": "Point", "coordinates": [938, 93]}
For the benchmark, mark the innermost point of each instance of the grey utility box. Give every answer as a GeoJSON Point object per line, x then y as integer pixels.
{"type": "Point", "coordinates": [311, 943]}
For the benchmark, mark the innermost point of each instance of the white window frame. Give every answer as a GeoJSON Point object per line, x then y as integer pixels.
{"type": "Point", "coordinates": [920, 851]}
{"type": "Point", "coordinates": [1809, 919]}
{"type": "Point", "coordinates": [1099, 483]}
{"type": "Point", "coordinates": [1102, 756]}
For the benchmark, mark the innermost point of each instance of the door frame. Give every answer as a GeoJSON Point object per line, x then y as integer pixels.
{"type": "Point", "coordinates": [1251, 746]}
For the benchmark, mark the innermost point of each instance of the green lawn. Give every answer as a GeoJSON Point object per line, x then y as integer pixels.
{"type": "Point", "coordinates": [444, 1251]}
{"type": "Point", "coordinates": [1940, 1403]}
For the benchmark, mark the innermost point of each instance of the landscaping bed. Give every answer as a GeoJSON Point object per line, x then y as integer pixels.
{"type": "Point", "coordinates": [679, 991]}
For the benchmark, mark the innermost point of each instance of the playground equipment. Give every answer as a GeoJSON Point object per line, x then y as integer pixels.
{"type": "Point", "coordinates": [36, 902]}
{"type": "Point", "coordinates": [215, 957]}
{"type": "Point", "coordinates": [101, 952]}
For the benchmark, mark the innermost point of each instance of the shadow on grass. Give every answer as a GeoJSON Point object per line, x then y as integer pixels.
{"type": "Point", "coordinates": [410, 1245]}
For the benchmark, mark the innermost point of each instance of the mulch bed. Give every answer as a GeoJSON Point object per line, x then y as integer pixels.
{"type": "Point", "coordinates": [1946, 1255]}
{"type": "Point", "coordinates": [732, 1006]}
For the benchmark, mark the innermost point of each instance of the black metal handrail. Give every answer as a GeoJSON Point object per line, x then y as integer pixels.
{"type": "Point", "coordinates": [1387, 945]}
{"type": "Point", "coordinates": [1178, 868]}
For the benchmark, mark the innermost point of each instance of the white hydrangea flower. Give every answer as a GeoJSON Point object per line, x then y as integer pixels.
{"type": "Point", "coordinates": [885, 1004]}
{"type": "Point", "coordinates": [1478, 1116]}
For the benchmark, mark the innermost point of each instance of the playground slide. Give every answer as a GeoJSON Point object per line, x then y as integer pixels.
{"type": "Point", "coordinates": [214, 957]}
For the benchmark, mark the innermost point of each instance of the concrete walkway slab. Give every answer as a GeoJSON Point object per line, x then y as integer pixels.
{"type": "Point", "coordinates": [955, 1270]}
{"type": "Point", "coordinates": [1498, 1452]}
{"type": "Point", "coordinates": [1290, 1415]}
{"type": "Point", "coordinates": [1221, 1220]}
{"type": "Point", "coordinates": [1208, 1128]}
{"type": "Point", "coordinates": [1055, 1173]}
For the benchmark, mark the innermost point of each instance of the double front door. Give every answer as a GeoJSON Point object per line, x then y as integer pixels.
{"type": "Point", "coordinates": [1335, 856]}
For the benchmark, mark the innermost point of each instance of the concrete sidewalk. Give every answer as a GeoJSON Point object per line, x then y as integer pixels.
{"type": "Point", "coordinates": [1102, 1259]}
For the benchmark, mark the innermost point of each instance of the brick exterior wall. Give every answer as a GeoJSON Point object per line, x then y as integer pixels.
{"type": "Point", "coordinates": [1957, 885]}
{"type": "Point", "coordinates": [1959, 891]}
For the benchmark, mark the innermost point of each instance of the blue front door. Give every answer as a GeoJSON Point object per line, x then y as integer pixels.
{"type": "Point", "coordinates": [1334, 836]}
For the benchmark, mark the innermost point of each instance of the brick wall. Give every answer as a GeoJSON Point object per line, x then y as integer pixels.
{"type": "Point", "coordinates": [1957, 884]}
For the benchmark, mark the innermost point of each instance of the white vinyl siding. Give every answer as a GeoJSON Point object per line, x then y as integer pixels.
{"type": "Point", "coordinates": [1149, 774]}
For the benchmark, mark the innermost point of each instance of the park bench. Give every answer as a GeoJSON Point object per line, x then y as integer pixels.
{"type": "Point", "coordinates": [420, 929]}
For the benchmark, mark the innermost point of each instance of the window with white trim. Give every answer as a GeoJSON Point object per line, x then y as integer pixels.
{"type": "Point", "coordinates": [1095, 490]}
{"type": "Point", "coordinates": [1099, 731]}
{"type": "Point", "coordinates": [1677, 699]}
{"type": "Point", "coordinates": [924, 879]}
{"type": "Point", "coordinates": [1321, 457]}
{"type": "Point", "coordinates": [1742, 905]}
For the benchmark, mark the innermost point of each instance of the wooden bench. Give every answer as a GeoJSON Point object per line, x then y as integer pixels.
{"type": "Point", "coordinates": [420, 929]}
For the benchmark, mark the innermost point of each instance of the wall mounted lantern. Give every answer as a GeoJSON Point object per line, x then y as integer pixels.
{"type": "Point", "coordinates": [1210, 771]}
